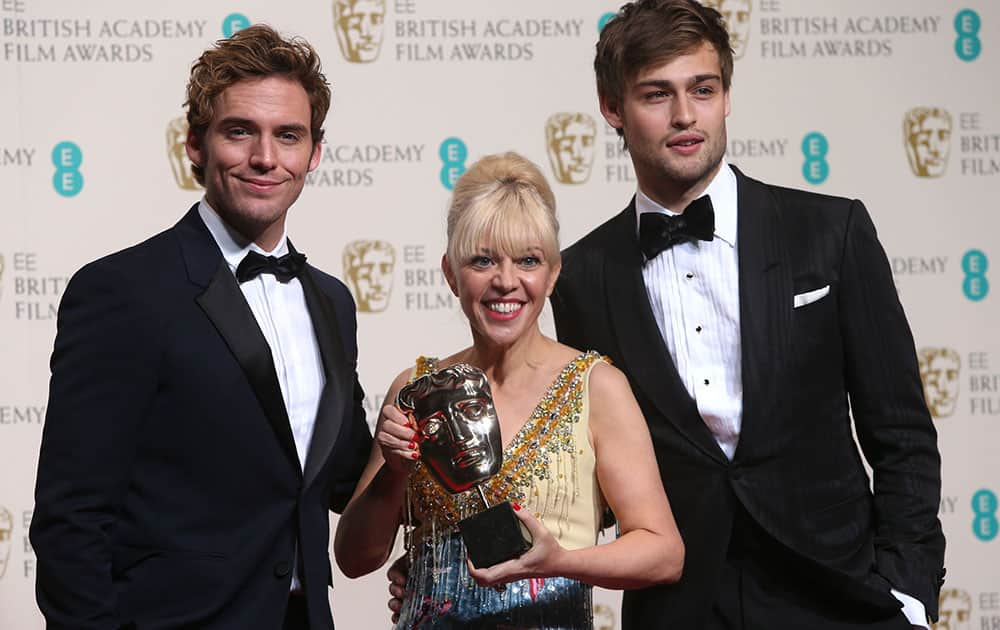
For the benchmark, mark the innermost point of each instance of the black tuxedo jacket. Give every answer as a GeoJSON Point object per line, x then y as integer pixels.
{"type": "Point", "coordinates": [169, 492]}
{"type": "Point", "coordinates": [796, 470]}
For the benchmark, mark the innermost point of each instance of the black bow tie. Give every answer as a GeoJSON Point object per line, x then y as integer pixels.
{"type": "Point", "coordinates": [284, 268]}
{"type": "Point", "coordinates": [658, 232]}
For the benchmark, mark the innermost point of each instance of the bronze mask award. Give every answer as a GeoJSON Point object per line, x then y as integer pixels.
{"type": "Point", "coordinates": [460, 445]}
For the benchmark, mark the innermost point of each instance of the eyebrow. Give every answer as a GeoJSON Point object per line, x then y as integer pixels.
{"type": "Point", "coordinates": [695, 80]}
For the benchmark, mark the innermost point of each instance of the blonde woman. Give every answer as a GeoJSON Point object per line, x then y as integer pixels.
{"type": "Point", "coordinates": [574, 440]}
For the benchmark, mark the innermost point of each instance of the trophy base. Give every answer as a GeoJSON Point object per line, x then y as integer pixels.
{"type": "Point", "coordinates": [494, 535]}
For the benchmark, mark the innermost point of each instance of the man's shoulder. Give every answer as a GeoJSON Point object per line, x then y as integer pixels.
{"type": "Point", "coordinates": [330, 284]}
{"type": "Point", "coordinates": [135, 260]}
{"type": "Point", "coordinates": [798, 199]}
{"type": "Point", "coordinates": [598, 238]}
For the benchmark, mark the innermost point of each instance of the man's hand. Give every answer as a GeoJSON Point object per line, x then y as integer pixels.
{"type": "Point", "coordinates": [397, 575]}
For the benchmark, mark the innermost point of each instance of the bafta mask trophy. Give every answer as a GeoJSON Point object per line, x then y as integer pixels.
{"type": "Point", "coordinates": [461, 447]}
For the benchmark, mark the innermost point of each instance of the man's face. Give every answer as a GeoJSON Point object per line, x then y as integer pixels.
{"type": "Point", "coordinates": [940, 373]}
{"type": "Point", "coordinates": [954, 613]}
{"type": "Point", "coordinates": [179, 162]}
{"type": "Point", "coordinates": [460, 435]}
{"type": "Point", "coordinates": [736, 13]}
{"type": "Point", "coordinates": [571, 147]}
{"type": "Point", "coordinates": [359, 28]}
{"type": "Point", "coordinates": [6, 536]}
{"type": "Point", "coordinates": [371, 275]}
{"type": "Point", "coordinates": [255, 154]}
{"type": "Point", "coordinates": [928, 144]}
{"type": "Point", "coordinates": [674, 119]}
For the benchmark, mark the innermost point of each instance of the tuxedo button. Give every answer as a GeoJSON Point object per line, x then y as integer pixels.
{"type": "Point", "coordinates": [282, 569]}
{"type": "Point", "coordinates": [735, 474]}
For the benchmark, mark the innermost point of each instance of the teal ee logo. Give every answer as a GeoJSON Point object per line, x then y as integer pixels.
{"type": "Point", "coordinates": [974, 264]}
{"type": "Point", "coordinates": [234, 23]}
{"type": "Point", "coordinates": [601, 23]}
{"type": "Point", "coordinates": [984, 508]}
{"type": "Point", "coordinates": [453, 154]}
{"type": "Point", "coordinates": [967, 44]}
{"type": "Point", "coordinates": [815, 147]}
{"type": "Point", "coordinates": [67, 180]}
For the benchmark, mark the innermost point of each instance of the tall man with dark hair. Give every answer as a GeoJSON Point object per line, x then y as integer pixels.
{"type": "Point", "coordinates": [749, 319]}
{"type": "Point", "coordinates": [204, 411]}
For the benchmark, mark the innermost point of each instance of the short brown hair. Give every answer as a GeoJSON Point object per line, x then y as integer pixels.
{"type": "Point", "coordinates": [648, 32]}
{"type": "Point", "coordinates": [257, 51]}
{"type": "Point", "coordinates": [504, 201]}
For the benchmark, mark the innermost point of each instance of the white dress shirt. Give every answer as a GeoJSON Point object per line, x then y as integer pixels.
{"type": "Point", "coordinates": [281, 312]}
{"type": "Point", "coordinates": [693, 288]}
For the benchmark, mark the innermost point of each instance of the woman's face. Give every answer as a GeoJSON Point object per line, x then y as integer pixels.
{"type": "Point", "coordinates": [502, 295]}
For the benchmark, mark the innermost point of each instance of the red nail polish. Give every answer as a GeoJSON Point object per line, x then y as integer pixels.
{"type": "Point", "coordinates": [414, 455]}
{"type": "Point", "coordinates": [517, 506]}
{"type": "Point", "coordinates": [412, 445]}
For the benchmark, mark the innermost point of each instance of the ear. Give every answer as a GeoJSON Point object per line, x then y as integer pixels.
{"type": "Point", "coordinates": [317, 154]}
{"type": "Point", "coordinates": [612, 112]}
{"type": "Point", "coordinates": [449, 274]}
{"type": "Point", "coordinates": [556, 268]}
{"type": "Point", "coordinates": [727, 103]}
{"type": "Point", "coordinates": [193, 146]}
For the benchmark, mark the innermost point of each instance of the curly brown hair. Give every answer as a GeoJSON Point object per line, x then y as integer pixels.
{"type": "Point", "coordinates": [255, 52]}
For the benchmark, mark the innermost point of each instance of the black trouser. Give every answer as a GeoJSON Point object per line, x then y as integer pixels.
{"type": "Point", "coordinates": [764, 586]}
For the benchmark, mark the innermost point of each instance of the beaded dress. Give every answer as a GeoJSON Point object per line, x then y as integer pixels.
{"type": "Point", "coordinates": [549, 467]}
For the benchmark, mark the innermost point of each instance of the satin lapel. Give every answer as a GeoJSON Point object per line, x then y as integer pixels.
{"type": "Point", "coordinates": [644, 353]}
{"type": "Point", "coordinates": [224, 304]}
{"type": "Point", "coordinates": [765, 308]}
{"type": "Point", "coordinates": [337, 390]}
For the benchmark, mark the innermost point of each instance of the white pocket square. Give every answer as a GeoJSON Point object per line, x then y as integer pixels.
{"type": "Point", "coordinates": [811, 296]}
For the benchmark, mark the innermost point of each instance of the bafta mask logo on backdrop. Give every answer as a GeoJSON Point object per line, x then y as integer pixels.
{"type": "Point", "coordinates": [954, 610]}
{"type": "Point", "coordinates": [604, 617]}
{"type": "Point", "coordinates": [6, 538]}
{"type": "Point", "coordinates": [359, 25]}
{"type": "Point", "coordinates": [940, 372]}
{"type": "Point", "coordinates": [368, 267]}
{"type": "Point", "coordinates": [570, 138]}
{"type": "Point", "coordinates": [927, 137]}
{"type": "Point", "coordinates": [180, 163]}
{"type": "Point", "coordinates": [737, 15]}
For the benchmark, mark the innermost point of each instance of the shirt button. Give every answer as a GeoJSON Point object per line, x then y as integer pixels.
{"type": "Point", "coordinates": [697, 329]}
{"type": "Point", "coordinates": [281, 569]}
{"type": "Point", "coordinates": [706, 381]}
{"type": "Point", "coordinates": [689, 275]}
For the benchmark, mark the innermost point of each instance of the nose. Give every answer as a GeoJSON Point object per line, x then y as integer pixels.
{"type": "Point", "coordinates": [682, 115]}
{"type": "Point", "coordinates": [457, 426]}
{"type": "Point", "coordinates": [504, 279]}
{"type": "Point", "coordinates": [367, 28]}
{"type": "Point", "coordinates": [262, 156]}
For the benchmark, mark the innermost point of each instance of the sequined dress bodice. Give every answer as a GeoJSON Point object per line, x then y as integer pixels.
{"type": "Point", "coordinates": [549, 467]}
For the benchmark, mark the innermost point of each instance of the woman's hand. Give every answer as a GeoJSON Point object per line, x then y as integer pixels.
{"type": "Point", "coordinates": [398, 440]}
{"type": "Point", "coordinates": [542, 560]}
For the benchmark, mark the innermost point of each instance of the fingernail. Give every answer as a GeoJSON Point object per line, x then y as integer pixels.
{"type": "Point", "coordinates": [414, 455]}
{"type": "Point", "coordinates": [517, 506]}
{"type": "Point", "coordinates": [412, 445]}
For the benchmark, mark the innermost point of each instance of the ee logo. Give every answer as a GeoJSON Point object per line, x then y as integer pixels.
{"type": "Point", "coordinates": [453, 154]}
{"type": "Point", "coordinates": [984, 507]}
{"type": "Point", "coordinates": [974, 264]}
{"type": "Point", "coordinates": [967, 44]}
{"type": "Point", "coordinates": [601, 23]}
{"type": "Point", "coordinates": [234, 23]}
{"type": "Point", "coordinates": [67, 180]}
{"type": "Point", "coordinates": [815, 147]}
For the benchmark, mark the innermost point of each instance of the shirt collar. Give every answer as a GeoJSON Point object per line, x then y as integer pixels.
{"type": "Point", "coordinates": [234, 245]}
{"type": "Point", "coordinates": [722, 190]}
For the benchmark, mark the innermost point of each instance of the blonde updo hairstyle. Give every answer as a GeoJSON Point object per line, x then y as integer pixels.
{"type": "Point", "coordinates": [504, 203]}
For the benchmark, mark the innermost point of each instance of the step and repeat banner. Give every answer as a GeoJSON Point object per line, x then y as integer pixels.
{"type": "Point", "coordinates": [893, 102]}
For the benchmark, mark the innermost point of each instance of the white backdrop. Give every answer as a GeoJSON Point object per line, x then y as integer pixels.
{"type": "Point", "coordinates": [822, 96]}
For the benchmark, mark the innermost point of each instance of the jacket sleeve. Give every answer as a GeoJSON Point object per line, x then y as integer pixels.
{"type": "Point", "coordinates": [893, 424]}
{"type": "Point", "coordinates": [103, 379]}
